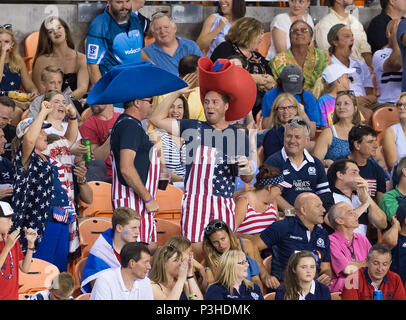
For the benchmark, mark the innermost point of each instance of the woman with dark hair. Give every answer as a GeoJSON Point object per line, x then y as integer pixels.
{"type": "Point", "coordinates": [56, 48]}
{"type": "Point", "coordinates": [243, 39]}
{"type": "Point", "coordinates": [311, 60]}
{"type": "Point", "coordinates": [173, 148]}
{"type": "Point", "coordinates": [218, 239]}
{"type": "Point", "coordinates": [217, 25]}
{"type": "Point", "coordinates": [257, 209]}
{"type": "Point", "coordinates": [299, 281]}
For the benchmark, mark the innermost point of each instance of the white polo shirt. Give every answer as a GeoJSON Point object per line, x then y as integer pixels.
{"type": "Point", "coordinates": [110, 286]}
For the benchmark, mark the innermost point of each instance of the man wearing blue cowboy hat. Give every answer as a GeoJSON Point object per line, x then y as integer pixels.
{"type": "Point", "coordinates": [135, 163]}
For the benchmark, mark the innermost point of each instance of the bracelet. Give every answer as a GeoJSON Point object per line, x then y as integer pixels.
{"type": "Point", "coordinates": [207, 268]}
{"type": "Point", "coordinates": [75, 118]}
{"type": "Point", "coordinates": [192, 297]}
{"type": "Point", "coordinates": [189, 277]}
{"type": "Point", "coordinates": [83, 181]}
{"type": "Point", "coordinates": [32, 249]}
{"type": "Point", "coordinates": [149, 200]}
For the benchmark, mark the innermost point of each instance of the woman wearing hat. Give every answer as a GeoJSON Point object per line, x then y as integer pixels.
{"type": "Point", "coordinates": [335, 78]}
{"type": "Point", "coordinates": [257, 209]}
{"type": "Point", "coordinates": [39, 198]}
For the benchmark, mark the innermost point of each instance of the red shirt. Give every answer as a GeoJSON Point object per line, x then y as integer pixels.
{"type": "Point", "coordinates": [97, 130]}
{"type": "Point", "coordinates": [391, 287]}
{"type": "Point", "coordinates": [9, 272]}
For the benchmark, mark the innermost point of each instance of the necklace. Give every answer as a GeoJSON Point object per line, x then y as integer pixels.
{"type": "Point", "coordinates": [11, 268]}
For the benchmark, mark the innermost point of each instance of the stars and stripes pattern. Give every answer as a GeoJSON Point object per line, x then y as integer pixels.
{"type": "Point", "coordinates": [255, 222]}
{"type": "Point", "coordinates": [124, 196]}
{"type": "Point", "coordinates": [32, 195]}
{"type": "Point", "coordinates": [208, 194]}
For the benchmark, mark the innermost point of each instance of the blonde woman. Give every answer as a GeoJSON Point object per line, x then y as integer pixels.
{"type": "Point", "coordinates": [172, 275]}
{"type": "Point", "coordinates": [230, 281]}
{"type": "Point", "coordinates": [284, 108]}
{"type": "Point", "coordinates": [13, 72]}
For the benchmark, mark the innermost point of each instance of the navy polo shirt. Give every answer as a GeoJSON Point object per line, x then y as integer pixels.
{"type": "Point", "coordinates": [399, 258]}
{"type": "Point", "coordinates": [309, 177]}
{"type": "Point", "coordinates": [219, 292]}
{"type": "Point", "coordinates": [290, 235]}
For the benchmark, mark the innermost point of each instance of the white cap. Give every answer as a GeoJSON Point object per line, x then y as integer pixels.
{"type": "Point", "coordinates": [334, 71]}
{"type": "Point", "coordinates": [25, 124]}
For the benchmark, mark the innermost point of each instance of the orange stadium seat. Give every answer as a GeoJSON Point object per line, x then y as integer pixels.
{"type": "Point", "coordinates": [169, 202]}
{"type": "Point", "coordinates": [38, 278]}
{"type": "Point", "coordinates": [90, 229]}
{"type": "Point", "coordinates": [165, 230]}
{"type": "Point", "coordinates": [383, 118]}
{"type": "Point", "coordinates": [101, 200]}
{"type": "Point", "coordinates": [270, 296]}
{"type": "Point", "coordinates": [31, 44]}
{"type": "Point", "coordinates": [264, 44]}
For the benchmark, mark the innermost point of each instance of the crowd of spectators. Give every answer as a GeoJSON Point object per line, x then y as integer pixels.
{"type": "Point", "coordinates": [324, 203]}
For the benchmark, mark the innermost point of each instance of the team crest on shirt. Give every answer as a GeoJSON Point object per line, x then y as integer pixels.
{"type": "Point", "coordinates": [312, 171]}
{"type": "Point", "coordinates": [254, 295]}
{"type": "Point", "coordinates": [92, 51]}
{"type": "Point", "coordinates": [286, 172]}
{"type": "Point", "coordinates": [320, 243]}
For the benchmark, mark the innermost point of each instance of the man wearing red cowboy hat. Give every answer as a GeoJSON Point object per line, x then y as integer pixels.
{"type": "Point", "coordinates": [216, 152]}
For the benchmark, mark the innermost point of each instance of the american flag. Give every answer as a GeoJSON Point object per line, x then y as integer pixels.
{"type": "Point", "coordinates": [32, 194]}
{"type": "Point", "coordinates": [208, 193]}
{"type": "Point", "coordinates": [124, 196]}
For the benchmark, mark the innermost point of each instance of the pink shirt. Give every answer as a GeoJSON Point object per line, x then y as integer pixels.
{"type": "Point", "coordinates": [340, 250]}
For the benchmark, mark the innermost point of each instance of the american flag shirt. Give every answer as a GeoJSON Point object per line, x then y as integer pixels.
{"type": "Point", "coordinates": [32, 196]}
{"type": "Point", "coordinates": [209, 184]}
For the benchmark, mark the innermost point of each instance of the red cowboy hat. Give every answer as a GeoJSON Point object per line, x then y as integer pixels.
{"type": "Point", "coordinates": [226, 78]}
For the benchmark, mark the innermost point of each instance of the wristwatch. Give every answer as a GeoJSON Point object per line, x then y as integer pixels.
{"type": "Point", "coordinates": [83, 181]}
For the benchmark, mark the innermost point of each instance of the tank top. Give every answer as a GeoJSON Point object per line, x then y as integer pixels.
{"type": "Point", "coordinates": [400, 140]}
{"type": "Point", "coordinates": [220, 37]}
{"type": "Point", "coordinates": [339, 148]}
{"type": "Point", "coordinates": [71, 79]}
{"type": "Point", "coordinates": [255, 222]}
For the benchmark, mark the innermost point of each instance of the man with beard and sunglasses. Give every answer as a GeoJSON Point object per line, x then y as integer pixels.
{"type": "Point", "coordinates": [115, 37]}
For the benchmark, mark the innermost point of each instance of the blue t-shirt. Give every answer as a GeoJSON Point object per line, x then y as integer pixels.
{"type": "Point", "coordinates": [6, 175]}
{"type": "Point", "coordinates": [168, 62]}
{"type": "Point", "coordinates": [273, 141]}
{"type": "Point", "coordinates": [219, 292]}
{"type": "Point", "coordinates": [109, 44]}
{"type": "Point", "coordinates": [290, 235]}
{"type": "Point", "coordinates": [399, 258]}
{"type": "Point", "coordinates": [309, 102]}
{"type": "Point", "coordinates": [309, 177]}
{"type": "Point", "coordinates": [128, 133]}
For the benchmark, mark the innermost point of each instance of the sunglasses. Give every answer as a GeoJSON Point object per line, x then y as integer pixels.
{"type": "Point", "coordinates": [6, 26]}
{"type": "Point", "coordinates": [400, 105]}
{"type": "Point", "coordinates": [299, 122]}
{"type": "Point", "coordinates": [301, 30]}
{"type": "Point", "coordinates": [211, 228]}
{"type": "Point", "coordinates": [158, 12]}
{"type": "Point", "coordinates": [242, 262]}
{"type": "Point", "coordinates": [147, 100]}
{"type": "Point", "coordinates": [351, 92]}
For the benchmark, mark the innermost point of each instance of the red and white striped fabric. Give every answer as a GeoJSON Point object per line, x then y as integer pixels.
{"type": "Point", "coordinates": [199, 204]}
{"type": "Point", "coordinates": [372, 187]}
{"type": "Point", "coordinates": [255, 222]}
{"type": "Point", "coordinates": [123, 196]}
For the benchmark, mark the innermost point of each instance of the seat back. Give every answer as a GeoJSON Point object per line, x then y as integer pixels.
{"type": "Point", "coordinates": [83, 296]}
{"type": "Point", "coordinates": [336, 296]}
{"type": "Point", "coordinates": [39, 276]}
{"type": "Point", "coordinates": [90, 229]}
{"type": "Point", "coordinates": [169, 202]}
{"type": "Point", "coordinates": [264, 44]}
{"type": "Point", "coordinates": [383, 118]}
{"type": "Point", "coordinates": [101, 199]}
{"type": "Point", "coordinates": [165, 230]}
{"type": "Point", "coordinates": [80, 266]}
{"type": "Point", "coordinates": [31, 44]}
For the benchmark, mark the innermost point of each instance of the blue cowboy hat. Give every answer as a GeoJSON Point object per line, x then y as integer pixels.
{"type": "Point", "coordinates": [133, 81]}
